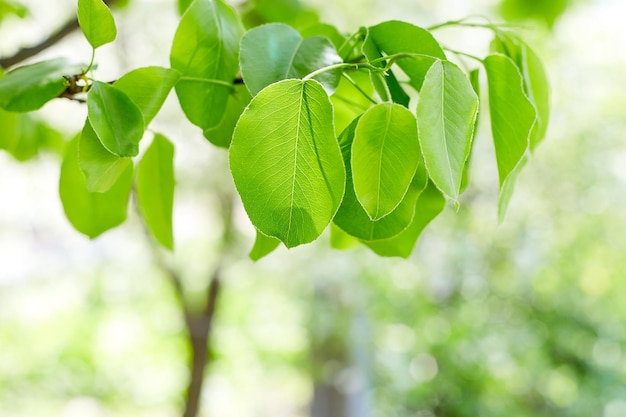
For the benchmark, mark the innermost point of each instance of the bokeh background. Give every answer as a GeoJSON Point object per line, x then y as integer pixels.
{"type": "Point", "coordinates": [525, 318]}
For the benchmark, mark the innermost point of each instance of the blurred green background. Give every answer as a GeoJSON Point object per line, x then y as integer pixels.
{"type": "Point", "coordinates": [526, 318]}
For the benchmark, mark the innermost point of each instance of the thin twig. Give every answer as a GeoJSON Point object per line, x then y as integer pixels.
{"type": "Point", "coordinates": [54, 38]}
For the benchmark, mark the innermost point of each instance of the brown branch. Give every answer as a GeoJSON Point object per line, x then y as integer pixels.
{"type": "Point", "coordinates": [55, 37]}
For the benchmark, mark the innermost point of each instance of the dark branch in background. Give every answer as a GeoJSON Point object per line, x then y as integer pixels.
{"type": "Point", "coordinates": [28, 52]}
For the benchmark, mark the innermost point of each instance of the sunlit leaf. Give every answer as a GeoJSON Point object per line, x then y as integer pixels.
{"type": "Point", "coordinates": [446, 115]}
{"type": "Point", "coordinates": [275, 52]}
{"type": "Point", "coordinates": [155, 189]}
{"type": "Point", "coordinates": [96, 22]}
{"type": "Point", "coordinates": [348, 101]}
{"type": "Point", "coordinates": [286, 161]}
{"type": "Point", "coordinates": [512, 120]}
{"type": "Point", "coordinates": [354, 220]}
{"type": "Point", "coordinates": [205, 51]}
{"type": "Point", "coordinates": [385, 156]}
{"type": "Point", "coordinates": [429, 204]}
{"type": "Point", "coordinates": [30, 87]}
{"type": "Point", "coordinates": [100, 167]}
{"type": "Point", "coordinates": [341, 240]}
{"type": "Point", "coordinates": [117, 121]}
{"type": "Point", "coordinates": [148, 88]}
{"type": "Point", "coordinates": [535, 79]}
{"type": "Point", "coordinates": [263, 246]}
{"type": "Point", "coordinates": [396, 37]}
{"type": "Point", "coordinates": [92, 213]}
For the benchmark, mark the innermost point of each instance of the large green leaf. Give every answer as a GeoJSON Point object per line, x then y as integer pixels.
{"type": "Point", "coordinates": [96, 22]}
{"type": "Point", "coordinates": [263, 246]}
{"type": "Point", "coordinates": [428, 206]}
{"type": "Point", "coordinates": [385, 156]}
{"type": "Point", "coordinates": [155, 189]}
{"type": "Point", "coordinates": [92, 213]}
{"type": "Point", "coordinates": [117, 121]}
{"type": "Point", "coordinates": [222, 133]}
{"type": "Point", "coordinates": [536, 83]}
{"type": "Point", "coordinates": [30, 87]}
{"type": "Point", "coordinates": [353, 219]}
{"type": "Point", "coordinates": [512, 120]}
{"type": "Point", "coordinates": [205, 51]}
{"type": "Point", "coordinates": [100, 167]}
{"type": "Point", "coordinates": [446, 114]}
{"type": "Point", "coordinates": [275, 52]}
{"type": "Point", "coordinates": [394, 37]}
{"type": "Point", "coordinates": [286, 161]}
{"type": "Point", "coordinates": [148, 88]}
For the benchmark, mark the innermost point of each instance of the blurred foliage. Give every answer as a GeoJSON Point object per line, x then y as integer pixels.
{"type": "Point", "coordinates": [8, 8]}
{"type": "Point", "coordinates": [547, 11]}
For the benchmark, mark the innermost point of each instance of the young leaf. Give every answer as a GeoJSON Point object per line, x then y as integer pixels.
{"type": "Point", "coordinates": [96, 22]}
{"type": "Point", "coordinates": [535, 80]}
{"type": "Point", "coordinates": [512, 120]}
{"type": "Point", "coordinates": [286, 161]}
{"type": "Point", "coordinates": [474, 77]}
{"type": "Point", "coordinates": [155, 189]}
{"type": "Point", "coordinates": [221, 134]}
{"type": "Point", "coordinates": [117, 121]}
{"type": "Point", "coordinates": [428, 206]}
{"type": "Point", "coordinates": [396, 37]}
{"type": "Point", "coordinates": [205, 51]}
{"type": "Point", "coordinates": [275, 52]}
{"type": "Point", "coordinates": [148, 88]}
{"type": "Point", "coordinates": [92, 213]}
{"type": "Point", "coordinates": [28, 88]}
{"type": "Point", "coordinates": [263, 246]}
{"type": "Point", "coordinates": [100, 167]}
{"type": "Point", "coordinates": [446, 113]}
{"type": "Point", "coordinates": [385, 156]}
{"type": "Point", "coordinates": [353, 219]}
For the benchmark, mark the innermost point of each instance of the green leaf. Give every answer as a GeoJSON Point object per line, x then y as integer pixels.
{"type": "Point", "coordinates": [96, 22]}
{"type": "Point", "coordinates": [548, 11]}
{"type": "Point", "coordinates": [474, 77]}
{"type": "Point", "coordinates": [286, 161]}
{"type": "Point", "coordinates": [446, 115]}
{"type": "Point", "coordinates": [183, 5]}
{"type": "Point", "coordinates": [24, 136]}
{"type": "Point", "coordinates": [91, 213]}
{"type": "Point", "coordinates": [395, 37]}
{"type": "Point", "coordinates": [275, 52]}
{"type": "Point", "coordinates": [28, 88]}
{"type": "Point", "coordinates": [205, 51]}
{"type": "Point", "coordinates": [428, 206]}
{"type": "Point", "coordinates": [155, 189]}
{"type": "Point", "coordinates": [536, 84]}
{"type": "Point", "coordinates": [326, 30]}
{"type": "Point", "coordinates": [117, 121]}
{"type": "Point", "coordinates": [100, 167]}
{"type": "Point", "coordinates": [221, 134]}
{"type": "Point", "coordinates": [148, 88]}
{"type": "Point", "coordinates": [512, 120]}
{"type": "Point", "coordinates": [263, 246]}
{"type": "Point", "coordinates": [353, 219]}
{"type": "Point", "coordinates": [385, 156]}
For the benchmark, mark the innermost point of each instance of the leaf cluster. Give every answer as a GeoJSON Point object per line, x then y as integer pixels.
{"type": "Point", "coordinates": [370, 131]}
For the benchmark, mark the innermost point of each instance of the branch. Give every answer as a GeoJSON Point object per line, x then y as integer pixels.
{"type": "Point", "coordinates": [54, 38]}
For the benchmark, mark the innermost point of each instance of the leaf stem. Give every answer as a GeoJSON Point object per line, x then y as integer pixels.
{"type": "Point", "coordinates": [346, 43]}
{"type": "Point", "coordinates": [93, 57]}
{"type": "Point", "coordinates": [342, 66]}
{"type": "Point", "coordinates": [208, 80]}
{"type": "Point", "coordinates": [474, 57]}
{"type": "Point", "coordinates": [358, 87]}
